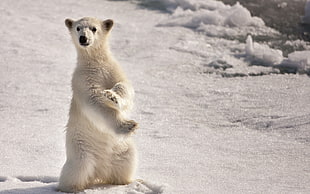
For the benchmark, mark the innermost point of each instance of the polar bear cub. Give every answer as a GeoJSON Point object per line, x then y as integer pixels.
{"type": "Point", "coordinates": [99, 147]}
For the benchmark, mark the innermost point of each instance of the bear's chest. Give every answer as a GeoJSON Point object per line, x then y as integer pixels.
{"type": "Point", "coordinates": [99, 75]}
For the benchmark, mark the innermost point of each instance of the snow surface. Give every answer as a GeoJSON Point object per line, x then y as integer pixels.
{"type": "Point", "coordinates": [213, 118]}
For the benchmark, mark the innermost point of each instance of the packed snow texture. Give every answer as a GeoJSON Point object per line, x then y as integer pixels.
{"type": "Point", "coordinates": [200, 131]}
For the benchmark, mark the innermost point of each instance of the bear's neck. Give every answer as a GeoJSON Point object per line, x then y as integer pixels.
{"type": "Point", "coordinates": [95, 56]}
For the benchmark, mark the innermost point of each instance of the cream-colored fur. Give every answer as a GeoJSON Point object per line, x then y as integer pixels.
{"type": "Point", "coordinates": [98, 143]}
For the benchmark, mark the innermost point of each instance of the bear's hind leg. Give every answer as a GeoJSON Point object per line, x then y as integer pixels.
{"type": "Point", "coordinates": [76, 175]}
{"type": "Point", "coordinates": [124, 164]}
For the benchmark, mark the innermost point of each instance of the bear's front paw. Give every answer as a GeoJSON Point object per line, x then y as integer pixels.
{"type": "Point", "coordinates": [110, 95]}
{"type": "Point", "coordinates": [129, 126]}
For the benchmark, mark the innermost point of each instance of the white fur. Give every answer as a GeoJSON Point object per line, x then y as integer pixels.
{"type": "Point", "coordinates": [99, 147]}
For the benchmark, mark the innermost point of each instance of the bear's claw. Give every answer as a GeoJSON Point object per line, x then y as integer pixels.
{"type": "Point", "coordinates": [109, 95]}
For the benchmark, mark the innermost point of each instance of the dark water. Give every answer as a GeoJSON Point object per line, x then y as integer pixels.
{"type": "Point", "coordinates": [282, 15]}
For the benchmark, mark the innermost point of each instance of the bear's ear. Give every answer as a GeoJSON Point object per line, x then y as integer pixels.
{"type": "Point", "coordinates": [69, 23]}
{"type": "Point", "coordinates": [107, 24]}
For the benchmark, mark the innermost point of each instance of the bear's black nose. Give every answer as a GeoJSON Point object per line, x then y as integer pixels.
{"type": "Point", "coordinates": [83, 40]}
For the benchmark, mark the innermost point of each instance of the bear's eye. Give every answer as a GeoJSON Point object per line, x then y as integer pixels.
{"type": "Point", "coordinates": [94, 29]}
{"type": "Point", "coordinates": [78, 28]}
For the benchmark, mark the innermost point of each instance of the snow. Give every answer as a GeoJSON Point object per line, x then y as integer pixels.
{"type": "Point", "coordinates": [213, 118]}
{"type": "Point", "coordinates": [263, 53]}
{"type": "Point", "coordinates": [298, 61]}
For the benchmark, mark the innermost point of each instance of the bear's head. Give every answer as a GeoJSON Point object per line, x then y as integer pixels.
{"type": "Point", "coordinates": [87, 32]}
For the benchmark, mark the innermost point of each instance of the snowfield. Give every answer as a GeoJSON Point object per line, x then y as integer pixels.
{"type": "Point", "coordinates": [218, 112]}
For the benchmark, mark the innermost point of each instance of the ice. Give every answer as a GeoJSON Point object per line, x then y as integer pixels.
{"type": "Point", "coordinates": [297, 62]}
{"type": "Point", "coordinates": [306, 18]}
{"type": "Point", "coordinates": [214, 18]}
{"type": "Point", "coordinates": [249, 47]}
{"type": "Point", "coordinates": [238, 16]}
{"type": "Point", "coordinates": [262, 53]}
{"type": "Point", "coordinates": [300, 57]}
{"type": "Point", "coordinates": [282, 5]}
{"type": "Point", "coordinates": [193, 5]}
{"type": "Point", "coordinates": [298, 44]}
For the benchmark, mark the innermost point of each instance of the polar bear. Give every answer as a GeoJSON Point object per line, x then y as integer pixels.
{"type": "Point", "coordinates": [99, 146]}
